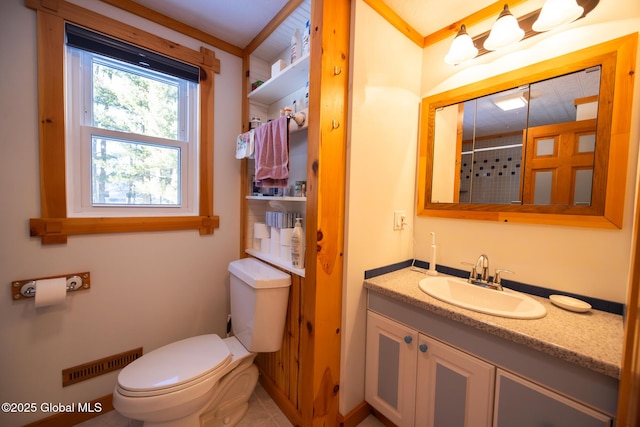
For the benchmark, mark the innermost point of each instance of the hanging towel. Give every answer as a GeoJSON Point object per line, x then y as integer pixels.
{"type": "Point", "coordinates": [241, 147]}
{"type": "Point", "coordinates": [245, 145]}
{"type": "Point", "coordinates": [272, 153]}
{"type": "Point", "coordinates": [250, 137]}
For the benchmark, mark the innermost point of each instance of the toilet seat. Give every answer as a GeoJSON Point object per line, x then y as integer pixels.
{"type": "Point", "coordinates": [191, 361]}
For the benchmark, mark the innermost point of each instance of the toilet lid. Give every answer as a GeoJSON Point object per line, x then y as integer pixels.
{"type": "Point", "coordinates": [175, 364]}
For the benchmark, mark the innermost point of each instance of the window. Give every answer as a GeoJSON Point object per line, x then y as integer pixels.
{"type": "Point", "coordinates": [131, 134]}
{"type": "Point", "coordinates": [167, 176]}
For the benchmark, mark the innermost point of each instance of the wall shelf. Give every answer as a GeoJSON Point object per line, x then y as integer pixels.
{"type": "Point", "coordinates": [277, 198]}
{"type": "Point", "coordinates": [276, 261]}
{"type": "Point", "coordinates": [290, 79]}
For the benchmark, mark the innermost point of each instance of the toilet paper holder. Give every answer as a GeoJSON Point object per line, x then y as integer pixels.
{"type": "Point", "coordinates": [25, 289]}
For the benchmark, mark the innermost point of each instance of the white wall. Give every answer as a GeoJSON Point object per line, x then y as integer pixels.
{"type": "Point", "coordinates": [148, 289]}
{"type": "Point", "coordinates": [585, 261]}
{"type": "Point", "coordinates": [385, 84]}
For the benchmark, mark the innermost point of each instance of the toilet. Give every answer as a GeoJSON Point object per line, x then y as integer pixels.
{"type": "Point", "coordinates": [207, 380]}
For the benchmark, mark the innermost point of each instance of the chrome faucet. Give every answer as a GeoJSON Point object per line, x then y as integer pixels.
{"type": "Point", "coordinates": [482, 267]}
{"type": "Point", "coordinates": [480, 274]}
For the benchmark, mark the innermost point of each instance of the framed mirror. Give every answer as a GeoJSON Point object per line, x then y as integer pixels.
{"type": "Point", "coordinates": [547, 143]}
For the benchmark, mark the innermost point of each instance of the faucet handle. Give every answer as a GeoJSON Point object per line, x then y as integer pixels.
{"type": "Point", "coordinates": [497, 279]}
{"type": "Point", "coordinates": [474, 273]}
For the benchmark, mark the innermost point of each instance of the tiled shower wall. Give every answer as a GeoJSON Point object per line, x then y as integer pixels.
{"type": "Point", "coordinates": [494, 174]}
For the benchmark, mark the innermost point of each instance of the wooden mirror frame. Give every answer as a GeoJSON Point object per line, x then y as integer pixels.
{"type": "Point", "coordinates": [618, 60]}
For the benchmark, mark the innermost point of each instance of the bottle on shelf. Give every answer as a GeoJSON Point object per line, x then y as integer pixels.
{"type": "Point", "coordinates": [296, 46]}
{"type": "Point", "coordinates": [306, 39]}
{"type": "Point", "coordinates": [297, 245]}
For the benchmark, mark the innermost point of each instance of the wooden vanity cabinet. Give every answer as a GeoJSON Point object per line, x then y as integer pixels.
{"type": "Point", "coordinates": [391, 367]}
{"type": "Point", "coordinates": [414, 377]}
{"type": "Point", "coordinates": [453, 388]}
{"type": "Point", "coordinates": [525, 404]}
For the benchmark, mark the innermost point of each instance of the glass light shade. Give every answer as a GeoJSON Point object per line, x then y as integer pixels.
{"type": "Point", "coordinates": [555, 13]}
{"type": "Point", "coordinates": [462, 48]}
{"type": "Point", "coordinates": [504, 32]}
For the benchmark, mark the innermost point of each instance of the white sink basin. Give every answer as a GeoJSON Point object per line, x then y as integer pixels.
{"type": "Point", "coordinates": [506, 303]}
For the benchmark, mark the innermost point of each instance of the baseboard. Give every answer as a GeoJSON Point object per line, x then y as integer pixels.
{"type": "Point", "coordinates": [81, 411]}
{"type": "Point", "coordinates": [355, 416]}
{"type": "Point", "coordinates": [289, 410]}
{"type": "Point", "coordinates": [384, 420]}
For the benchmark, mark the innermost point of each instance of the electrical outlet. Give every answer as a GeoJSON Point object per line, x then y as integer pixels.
{"type": "Point", "coordinates": [399, 220]}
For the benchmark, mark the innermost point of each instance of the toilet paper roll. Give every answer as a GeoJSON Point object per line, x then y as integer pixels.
{"type": "Point", "coordinates": [265, 245]}
{"type": "Point", "coordinates": [275, 234]}
{"type": "Point", "coordinates": [285, 236]}
{"type": "Point", "coordinates": [274, 247]}
{"type": "Point", "coordinates": [257, 245]}
{"type": "Point", "coordinates": [51, 291]}
{"type": "Point", "coordinates": [260, 230]}
{"type": "Point", "coordinates": [285, 252]}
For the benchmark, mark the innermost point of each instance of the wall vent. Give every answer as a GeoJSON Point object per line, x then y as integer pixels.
{"type": "Point", "coordinates": [99, 367]}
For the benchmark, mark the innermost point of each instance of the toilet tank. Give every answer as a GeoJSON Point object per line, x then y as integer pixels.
{"type": "Point", "coordinates": [259, 298]}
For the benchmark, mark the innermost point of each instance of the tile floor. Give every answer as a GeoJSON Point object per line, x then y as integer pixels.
{"type": "Point", "coordinates": [263, 412]}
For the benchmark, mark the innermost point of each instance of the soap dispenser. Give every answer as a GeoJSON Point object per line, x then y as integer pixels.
{"type": "Point", "coordinates": [297, 245]}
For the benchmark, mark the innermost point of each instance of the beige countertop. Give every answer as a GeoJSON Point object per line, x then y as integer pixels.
{"type": "Point", "coordinates": [592, 339]}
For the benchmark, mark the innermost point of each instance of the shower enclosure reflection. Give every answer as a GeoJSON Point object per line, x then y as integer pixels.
{"type": "Point", "coordinates": [529, 145]}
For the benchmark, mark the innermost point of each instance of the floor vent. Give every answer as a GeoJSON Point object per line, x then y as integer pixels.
{"type": "Point", "coordinates": [96, 368]}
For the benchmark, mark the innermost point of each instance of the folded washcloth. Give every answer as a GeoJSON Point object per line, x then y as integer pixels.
{"type": "Point", "coordinates": [272, 153]}
{"type": "Point", "coordinates": [241, 147]}
{"type": "Point", "coordinates": [245, 145]}
{"type": "Point", "coordinates": [250, 137]}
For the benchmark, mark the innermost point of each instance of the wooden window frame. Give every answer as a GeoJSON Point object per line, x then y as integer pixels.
{"type": "Point", "coordinates": [54, 226]}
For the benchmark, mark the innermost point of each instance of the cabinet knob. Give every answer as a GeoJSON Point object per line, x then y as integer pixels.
{"type": "Point", "coordinates": [423, 348]}
{"type": "Point", "coordinates": [408, 339]}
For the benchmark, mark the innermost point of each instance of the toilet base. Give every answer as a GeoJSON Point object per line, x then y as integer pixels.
{"type": "Point", "coordinates": [227, 404]}
{"type": "Point", "coordinates": [232, 403]}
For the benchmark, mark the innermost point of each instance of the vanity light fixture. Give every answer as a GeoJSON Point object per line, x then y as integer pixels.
{"type": "Point", "coordinates": [555, 13]}
{"type": "Point", "coordinates": [512, 101]}
{"type": "Point", "coordinates": [505, 31]}
{"type": "Point", "coordinates": [462, 48]}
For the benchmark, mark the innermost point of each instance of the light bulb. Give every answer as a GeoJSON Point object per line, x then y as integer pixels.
{"type": "Point", "coordinates": [555, 13]}
{"type": "Point", "coordinates": [462, 48]}
{"type": "Point", "coordinates": [505, 31]}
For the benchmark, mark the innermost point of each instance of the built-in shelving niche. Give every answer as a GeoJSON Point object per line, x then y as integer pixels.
{"type": "Point", "coordinates": [287, 88]}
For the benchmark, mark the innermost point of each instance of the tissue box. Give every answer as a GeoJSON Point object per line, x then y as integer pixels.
{"type": "Point", "coordinates": [277, 67]}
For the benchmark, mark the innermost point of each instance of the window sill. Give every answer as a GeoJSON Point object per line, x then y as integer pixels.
{"type": "Point", "coordinates": [56, 230]}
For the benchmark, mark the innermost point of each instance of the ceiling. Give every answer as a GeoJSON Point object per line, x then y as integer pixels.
{"type": "Point", "coordinates": [239, 21]}
{"type": "Point", "coordinates": [429, 16]}
{"type": "Point", "coordinates": [236, 21]}
{"type": "Point", "coordinates": [550, 101]}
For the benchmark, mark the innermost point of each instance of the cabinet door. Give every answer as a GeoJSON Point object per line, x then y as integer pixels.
{"type": "Point", "coordinates": [391, 369]}
{"type": "Point", "coordinates": [524, 404]}
{"type": "Point", "coordinates": [454, 389]}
